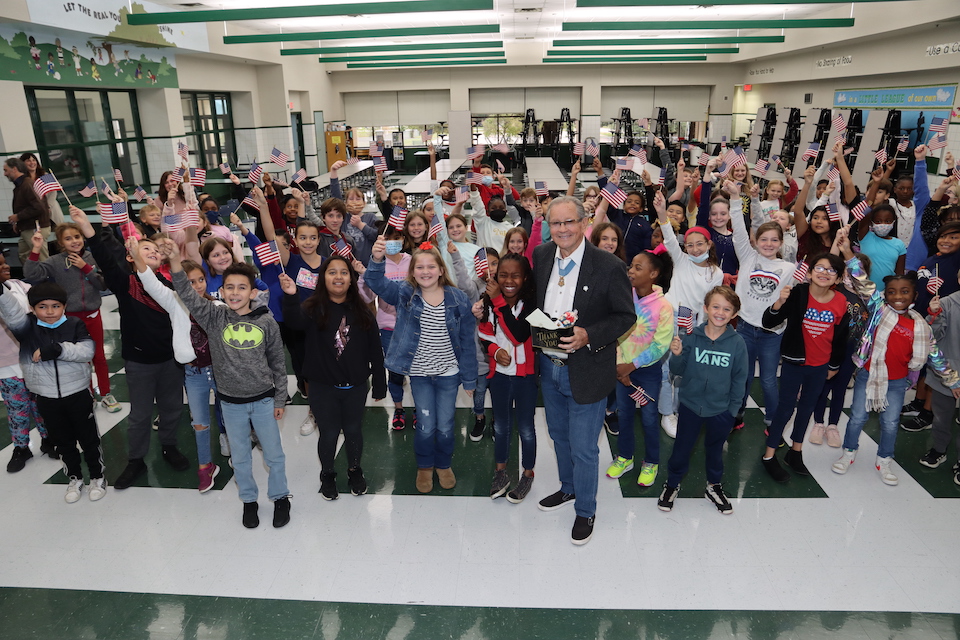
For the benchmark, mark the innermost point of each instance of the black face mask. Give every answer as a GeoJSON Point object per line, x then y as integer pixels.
{"type": "Point", "coordinates": [497, 215]}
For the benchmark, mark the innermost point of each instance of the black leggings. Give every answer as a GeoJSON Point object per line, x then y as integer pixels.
{"type": "Point", "coordinates": [337, 410]}
{"type": "Point", "coordinates": [296, 343]}
{"type": "Point", "coordinates": [70, 422]}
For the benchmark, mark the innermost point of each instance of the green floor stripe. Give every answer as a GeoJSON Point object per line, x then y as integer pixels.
{"type": "Point", "coordinates": [909, 449]}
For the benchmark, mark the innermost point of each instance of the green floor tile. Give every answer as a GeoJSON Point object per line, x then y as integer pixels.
{"type": "Point", "coordinates": [909, 449]}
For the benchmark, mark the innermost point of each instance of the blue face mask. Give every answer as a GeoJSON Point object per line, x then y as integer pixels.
{"type": "Point", "coordinates": [487, 180]}
{"type": "Point", "coordinates": [700, 259]}
{"type": "Point", "coordinates": [56, 324]}
{"type": "Point", "coordinates": [393, 247]}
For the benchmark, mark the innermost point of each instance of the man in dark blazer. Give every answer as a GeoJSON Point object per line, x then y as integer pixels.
{"type": "Point", "coordinates": [572, 274]}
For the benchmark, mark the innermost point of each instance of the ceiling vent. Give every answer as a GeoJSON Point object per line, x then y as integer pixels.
{"type": "Point", "coordinates": [528, 10]}
{"type": "Point", "coordinates": [523, 38]}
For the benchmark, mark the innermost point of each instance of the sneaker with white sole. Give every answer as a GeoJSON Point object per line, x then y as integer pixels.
{"type": "Point", "coordinates": [518, 493]}
{"type": "Point", "coordinates": [309, 425]}
{"type": "Point", "coordinates": [846, 459]}
{"type": "Point", "coordinates": [98, 489]}
{"type": "Point", "coordinates": [648, 473]}
{"type": "Point", "coordinates": [224, 446]}
{"type": "Point", "coordinates": [669, 424]}
{"type": "Point", "coordinates": [886, 474]}
{"type": "Point", "coordinates": [667, 496]}
{"type": "Point", "coordinates": [714, 493]}
{"type": "Point", "coordinates": [74, 489]}
{"type": "Point", "coordinates": [110, 403]}
{"type": "Point", "coordinates": [619, 466]}
{"type": "Point", "coordinates": [933, 458]}
{"type": "Point", "coordinates": [832, 436]}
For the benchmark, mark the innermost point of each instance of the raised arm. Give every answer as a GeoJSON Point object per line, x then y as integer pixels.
{"type": "Point", "coordinates": [799, 215]}
{"type": "Point", "coordinates": [574, 172]}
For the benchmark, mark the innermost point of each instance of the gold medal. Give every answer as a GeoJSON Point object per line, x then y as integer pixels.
{"type": "Point", "coordinates": [560, 281]}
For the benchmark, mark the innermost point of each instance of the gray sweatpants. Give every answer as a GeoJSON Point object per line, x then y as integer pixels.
{"type": "Point", "coordinates": [148, 383]}
{"type": "Point", "coordinates": [944, 408]}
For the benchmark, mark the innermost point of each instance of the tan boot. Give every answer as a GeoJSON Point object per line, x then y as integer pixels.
{"type": "Point", "coordinates": [425, 480]}
{"type": "Point", "coordinates": [447, 479]}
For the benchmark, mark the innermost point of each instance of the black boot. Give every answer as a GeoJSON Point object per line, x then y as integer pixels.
{"type": "Point", "coordinates": [794, 458]}
{"type": "Point", "coordinates": [773, 468]}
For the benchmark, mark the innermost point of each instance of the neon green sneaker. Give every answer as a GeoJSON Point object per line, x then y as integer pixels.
{"type": "Point", "coordinates": [619, 467]}
{"type": "Point", "coordinates": [648, 473]}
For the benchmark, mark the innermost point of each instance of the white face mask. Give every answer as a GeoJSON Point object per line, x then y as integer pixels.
{"type": "Point", "coordinates": [700, 259]}
{"type": "Point", "coordinates": [487, 180]}
{"type": "Point", "coordinates": [882, 230]}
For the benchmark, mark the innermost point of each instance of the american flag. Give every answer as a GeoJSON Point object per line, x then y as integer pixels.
{"type": "Point", "coordinates": [88, 190]}
{"type": "Point", "coordinates": [353, 160]}
{"type": "Point", "coordinates": [685, 319]}
{"type": "Point", "coordinates": [776, 159]}
{"type": "Point", "coordinates": [379, 164]}
{"type": "Point", "coordinates": [173, 222]}
{"type": "Point", "coordinates": [658, 180]}
{"type": "Point", "coordinates": [860, 209]}
{"type": "Point", "coordinates": [375, 150]}
{"type": "Point", "coordinates": [737, 158]}
{"type": "Point", "coordinates": [934, 284]}
{"type": "Point", "coordinates": [956, 173]}
{"type": "Point", "coordinates": [341, 248]}
{"type": "Point", "coordinates": [881, 155]}
{"type": "Point", "coordinates": [278, 157]}
{"type": "Point", "coordinates": [474, 178]}
{"type": "Point", "coordinates": [762, 166]}
{"type": "Point", "coordinates": [939, 141]}
{"type": "Point", "coordinates": [640, 396]}
{"type": "Point", "coordinates": [191, 218]}
{"type": "Point", "coordinates": [593, 149]}
{"type": "Point", "coordinates": [578, 148]}
{"type": "Point", "coordinates": [613, 194]}
{"type": "Point", "coordinates": [938, 125]}
{"type": "Point", "coordinates": [643, 123]}
{"type": "Point", "coordinates": [685, 146]}
{"type": "Point", "coordinates": [500, 167]}
{"type": "Point", "coordinates": [704, 159]}
{"type": "Point", "coordinates": [811, 152]}
{"type": "Point", "coordinates": [839, 123]}
{"type": "Point", "coordinates": [641, 156]}
{"type": "Point", "coordinates": [902, 145]}
{"type": "Point", "coordinates": [183, 150]}
{"type": "Point", "coordinates": [436, 225]}
{"type": "Point", "coordinates": [225, 168]}
{"type": "Point", "coordinates": [480, 263]}
{"type": "Point", "coordinates": [723, 143]}
{"type": "Point", "coordinates": [636, 150]}
{"type": "Point", "coordinates": [834, 173]}
{"type": "Point", "coordinates": [250, 202]}
{"type": "Point", "coordinates": [475, 152]}
{"type": "Point", "coordinates": [397, 218]}
{"type": "Point", "coordinates": [198, 177]}
{"type": "Point", "coordinates": [112, 212]}
{"type": "Point", "coordinates": [463, 194]}
{"type": "Point", "coordinates": [300, 175]}
{"type": "Point", "coordinates": [267, 253]}
{"type": "Point", "coordinates": [833, 212]}
{"type": "Point", "coordinates": [426, 134]}
{"type": "Point", "coordinates": [105, 188]}
{"type": "Point", "coordinates": [45, 184]}
{"type": "Point", "coordinates": [501, 148]}
{"type": "Point", "coordinates": [117, 176]}
{"type": "Point", "coordinates": [177, 173]}
{"type": "Point", "coordinates": [541, 188]}
{"type": "Point", "coordinates": [623, 164]}
{"type": "Point", "coordinates": [723, 169]}
{"type": "Point", "coordinates": [800, 271]}
{"type": "Point", "coordinates": [840, 137]}
{"type": "Point", "coordinates": [139, 193]}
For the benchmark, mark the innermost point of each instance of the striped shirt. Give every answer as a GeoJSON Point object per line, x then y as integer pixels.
{"type": "Point", "coordinates": [434, 356]}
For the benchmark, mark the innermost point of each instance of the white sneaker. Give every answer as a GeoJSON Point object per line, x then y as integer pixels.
{"type": "Point", "coordinates": [309, 425]}
{"type": "Point", "coordinates": [74, 489]}
{"type": "Point", "coordinates": [883, 466]}
{"type": "Point", "coordinates": [110, 403]}
{"type": "Point", "coordinates": [98, 489]}
{"type": "Point", "coordinates": [224, 446]}
{"type": "Point", "coordinates": [669, 424]}
{"type": "Point", "coordinates": [846, 459]}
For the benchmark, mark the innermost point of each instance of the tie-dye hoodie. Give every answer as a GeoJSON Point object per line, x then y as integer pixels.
{"type": "Point", "coordinates": [648, 340]}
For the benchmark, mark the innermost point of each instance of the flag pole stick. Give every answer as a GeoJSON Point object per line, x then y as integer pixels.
{"type": "Point", "coordinates": [62, 191]}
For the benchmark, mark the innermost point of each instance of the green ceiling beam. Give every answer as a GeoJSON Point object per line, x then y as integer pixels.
{"type": "Point", "coordinates": [645, 52]}
{"type": "Point", "coordinates": [630, 59]}
{"type": "Point", "coordinates": [607, 42]}
{"type": "Point", "coordinates": [418, 56]}
{"type": "Point", "coordinates": [689, 3]}
{"type": "Point", "coordinates": [489, 44]}
{"type": "Point", "coordinates": [364, 33]}
{"type": "Point", "coordinates": [309, 11]}
{"type": "Point", "coordinates": [685, 25]}
{"type": "Point", "coordinates": [427, 63]}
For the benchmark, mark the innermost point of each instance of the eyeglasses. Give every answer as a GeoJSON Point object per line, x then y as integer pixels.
{"type": "Point", "coordinates": [828, 270]}
{"type": "Point", "coordinates": [698, 245]}
{"type": "Point", "coordinates": [559, 224]}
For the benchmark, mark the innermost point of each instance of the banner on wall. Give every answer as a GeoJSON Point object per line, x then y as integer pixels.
{"type": "Point", "coordinates": [108, 19]}
{"type": "Point", "coordinates": [927, 97]}
{"type": "Point", "coordinates": [41, 56]}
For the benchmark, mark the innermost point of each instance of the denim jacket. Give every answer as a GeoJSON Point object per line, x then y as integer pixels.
{"type": "Point", "coordinates": [461, 325]}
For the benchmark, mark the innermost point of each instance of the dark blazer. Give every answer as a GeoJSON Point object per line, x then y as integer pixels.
{"type": "Point", "coordinates": [28, 208]}
{"type": "Point", "coordinates": [605, 309]}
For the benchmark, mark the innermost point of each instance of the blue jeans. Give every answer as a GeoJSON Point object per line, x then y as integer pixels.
{"type": "Point", "coordinates": [480, 393]}
{"type": "Point", "coordinates": [435, 398]}
{"type": "Point", "coordinates": [198, 383]}
{"type": "Point", "coordinates": [238, 418]}
{"type": "Point", "coordinates": [889, 419]}
{"type": "Point", "coordinates": [688, 430]}
{"type": "Point", "coordinates": [575, 430]}
{"type": "Point", "coordinates": [763, 346]}
{"type": "Point", "coordinates": [394, 380]}
{"type": "Point", "coordinates": [796, 379]}
{"type": "Point", "coordinates": [836, 389]}
{"type": "Point", "coordinates": [648, 379]}
{"type": "Point", "coordinates": [514, 396]}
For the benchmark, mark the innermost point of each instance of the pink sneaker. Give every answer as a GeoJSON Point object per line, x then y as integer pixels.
{"type": "Point", "coordinates": [206, 476]}
{"type": "Point", "coordinates": [833, 436]}
{"type": "Point", "coordinates": [816, 434]}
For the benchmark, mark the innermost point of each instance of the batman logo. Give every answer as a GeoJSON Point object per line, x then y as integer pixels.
{"type": "Point", "coordinates": [242, 335]}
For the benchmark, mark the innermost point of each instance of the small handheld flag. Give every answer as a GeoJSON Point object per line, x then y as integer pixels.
{"type": "Point", "coordinates": [658, 180]}
{"type": "Point", "coordinates": [183, 150]}
{"type": "Point", "coordinates": [811, 152]}
{"type": "Point", "coordinates": [139, 193]}
{"type": "Point", "coordinates": [578, 148]}
{"type": "Point", "coordinates": [723, 143]}
{"type": "Point", "coordinates": [436, 225]}
{"type": "Point", "coordinates": [938, 125]}
{"type": "Point", "coordinates": [635, 151]}
{"type": "Point", "coordinates": [956, 173]}
{"type": "Point", "coordinates": [105, 188]}
{"type": "Point", "coordinates": [379, 164]}
{"type": "Point", "coordinates": [173, 222]}
{"type": "Point", "coordinates": [198, 177]}
{"type": "Point", "coordinates": [474, 178]}
{"type": "Point", "coordinates": [643, 123]}
{"type": "Point", "coordinates": [839, 123]}
{"type": "Point", "coordinates": [833, 174]}
{"type": "Point", "coordinates": [685, 319]}
{"type": "Point", "coordinates": [397, 218]}
{"type": "Point", "coordinates": [112, 212]}
{"type": "Point", "coordinates": [341, 248]}
{"type": "Point", "coordinates": [501, 148]}
{"type": "Point", "coordinates": [860, 209]}
{"type": "Point", "coordinates": [426, 134]}
{"type": "Point", "coordinates": [776, 159]}
{"type": "Point", "coordinates": [376, 150]}
{"type": "Point", "coordinates": [117, 176]}
{"type": "Point", "coordinates": [902, 145]}
{"type": "Point", "coordinates": [267, 253]}
{"type": "Point", "coordinates": [353, 160]}
{"type": "Point", "coordinates": [881, 155]}
{"type": "Point", "coordinates": [639, 396]}
{"type": "Point", "coordinates": [613, 194]}
{"type": "Point", "coordinates": [541, 188]}
{"type": "Point", "coordinates": [225, 168]}
{"type": "Point", "coordinates": [278, 157]}
{"type": "Point", "coordinates": [480, 264]}
{"type": "Point", "coordinates": [704, 159]}
{"type": "Point", "coordinates": [250, 202]}
{"type": "Point", "coordinates": [762, 166]}
{"type": "Point", "coordinates": [475, 152]}
{"type": "Point", "coordinates": [463, 194]}
{"type": "Point", "coordinates": [593, 149]}
{"type": "Point", "coordinates": [45, 184]}
{"type": "Point", "coordinates": [800, 271]}
{"type": "Point", "coordinates": [833, 212]}
{"type": "Point", "coordinates": [299, 176]}
{"type": "Point", "coordinates": [939, 141]}
{"type": "Point", "coordinates": [89, 190]}
{"type": "Point", "coordinates": [934, 284]}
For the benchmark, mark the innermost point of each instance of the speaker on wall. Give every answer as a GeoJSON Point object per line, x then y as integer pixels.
{"type": "Point", "coordinates": [808, 98]}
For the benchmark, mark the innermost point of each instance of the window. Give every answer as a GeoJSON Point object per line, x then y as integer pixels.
{"type": "Point", "coordinates": [208, 122]}
{"type": "Point", "coordinates": [85, 135]}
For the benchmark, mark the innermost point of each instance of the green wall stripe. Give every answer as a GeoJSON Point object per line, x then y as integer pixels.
{"type": "Point", "coordinates": [677, 25]}
{"type": "Point", "coordinates": [630, 59]}
{"type": "Point", "coordinates": [621, 52]}
{"type": "Point", "coordinates": [426, 63]}
{"type": "Point", "coordinates": [686, 3]}
{"type": "Point", "coordinates": [486, 44]}
{"type": "Point", "coordinates": [607, 42]}
{"type": "Point", "coordinates": [417, 56]}
{"type": "Point", "coordinates": [309, 11]}
{"type": "Point", "coordinates": [363, 33]}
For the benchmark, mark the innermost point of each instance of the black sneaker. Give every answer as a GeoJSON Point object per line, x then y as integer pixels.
{"type": "Point", "coordinates": [500, 484]}
{"type": "Point", "coordinates": [912, 408]}
{"type": "Point", "coordinates": [773, 468]}
{"type": "Point", "coordinates": [328, 485]}
{"type": "Point", "coordinates": [794, 460]}
{"type": "Point", "coordinates": [920, 422]}
{"type": "Point", "coordinates": [714, 493]}
{"type": "Point", "coordinates": [175, 459]}
{"type": "Point", "coordinates": [19, 459]}
{"type": "Point", "coordinates": [667, 496]}
{"type": "Point", "coordinates": [556, 500]}
{"type": "Point", "coordinates": [611, 423]}
{"type": "Point", "coordinates": [133, 470]}
{"type": "Point", "coordinates": [518, 493]}
{"type": "Point", "coordinates": [399, 419]}
{"type": "Point", "coordinates": [281, 512]}
{"type": "Point", "coordinates": [478, 427]}
{"type": "Point", "coordinates": [582, 530]}
{"type": "Point", "coordinates": [358, 484]}
{"type": "Point", "coordinates": [302, 388]}
{"type": "Point", "coordinates": [933, 458]}
{"type": "Point", "coordinates": [46, 447]}
{"type": "Point", "coordinates": [250, 518]}
{"type": "Point", "coordinates": [956, 478]}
